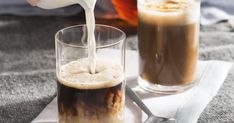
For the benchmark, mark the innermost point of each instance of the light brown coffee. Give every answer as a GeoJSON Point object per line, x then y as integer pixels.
{"type": "Point", "coordinates": [168, 43]}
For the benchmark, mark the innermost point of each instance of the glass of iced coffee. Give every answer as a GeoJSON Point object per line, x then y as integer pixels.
{"type": "Point", "coordinates": [168, 42]}
{"type": "Point", "coordinates": [85, 97]}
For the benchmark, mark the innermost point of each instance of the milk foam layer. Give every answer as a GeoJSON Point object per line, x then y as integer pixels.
{"type": "Point", "coordinates": [169, 12]}
{"type": "Point", "coordinates": [77, 74]}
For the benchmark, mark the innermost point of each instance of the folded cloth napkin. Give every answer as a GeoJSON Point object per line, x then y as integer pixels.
{"type": "Point", "coordinates": [186, 107]}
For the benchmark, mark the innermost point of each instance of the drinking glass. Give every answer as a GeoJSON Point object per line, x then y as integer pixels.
{"type": "Point", "coordinates": [94, 101]}
{"type": "Point", "coordinates": [168, 42]}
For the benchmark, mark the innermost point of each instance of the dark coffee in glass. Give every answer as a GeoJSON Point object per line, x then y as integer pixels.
{"type": "Point", "coordinates": [84, 95]}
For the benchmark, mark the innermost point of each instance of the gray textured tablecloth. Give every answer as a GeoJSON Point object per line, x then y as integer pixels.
{"type": "Point", "coordinates": [27, 65]}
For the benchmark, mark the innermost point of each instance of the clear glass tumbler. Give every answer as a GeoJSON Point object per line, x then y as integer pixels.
{"type": "Point", "coordinates": [168, 42]}
{"type": "Point", "coordinates": [84, 97]}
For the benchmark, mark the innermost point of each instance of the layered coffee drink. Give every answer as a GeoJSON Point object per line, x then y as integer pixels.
{"type": "Point", "coordinates": [168, 41]}
{"type": "Point", "coordinates": [90, 98]}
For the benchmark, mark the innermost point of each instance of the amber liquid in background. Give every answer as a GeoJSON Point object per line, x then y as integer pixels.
{"type": "Point", "coordinates": [168, 54]}
{"type": "Point", "coordinates": [127, 10]}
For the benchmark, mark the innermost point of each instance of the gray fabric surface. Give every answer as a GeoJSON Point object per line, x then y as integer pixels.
{"type": "Point", "coordinates": [27, 65]}
{"type": "Point", "coordinates": [213, 11]}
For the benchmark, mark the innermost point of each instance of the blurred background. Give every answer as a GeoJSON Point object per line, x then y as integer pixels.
{"type": "Point", "coordinates": [212, 11]}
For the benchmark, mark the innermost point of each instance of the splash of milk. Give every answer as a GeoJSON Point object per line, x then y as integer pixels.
{"type": "Point", "coordinates": [88, 6]}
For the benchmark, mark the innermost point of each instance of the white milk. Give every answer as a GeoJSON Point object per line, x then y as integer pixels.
{"type": "Point", "coordinates": [88, 6]}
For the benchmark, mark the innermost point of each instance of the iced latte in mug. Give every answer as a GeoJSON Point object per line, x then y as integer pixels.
{"type": "Point", "coordinates": [168, 41]}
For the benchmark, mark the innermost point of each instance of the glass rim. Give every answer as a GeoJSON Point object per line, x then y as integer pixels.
{"type": "Point", "coordinates": [197, 4]}
{"type": "Point", "coordinates": [122, 38]}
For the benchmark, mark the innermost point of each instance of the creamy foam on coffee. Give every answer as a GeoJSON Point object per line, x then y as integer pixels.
{"type": "Point", "coordinates": [169, 12]}
{"type": "Point", "coordinates": [77, 74]}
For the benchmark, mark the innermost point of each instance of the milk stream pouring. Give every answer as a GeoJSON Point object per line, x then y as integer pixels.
{"type": "Point", "coordinates": [88, 6]}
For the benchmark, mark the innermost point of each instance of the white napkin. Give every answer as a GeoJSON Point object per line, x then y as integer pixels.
{"type": "Point", "coordinates": [185, 107]}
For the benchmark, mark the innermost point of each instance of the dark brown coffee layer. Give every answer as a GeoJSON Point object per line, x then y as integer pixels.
{"type": "Point", "coordinates": [91, 104]}
{"type": "Point", "coordinates": [168, 54]}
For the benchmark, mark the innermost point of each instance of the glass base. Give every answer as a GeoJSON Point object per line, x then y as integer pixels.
{"type": "Point", "coordinates": [161, 89]}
